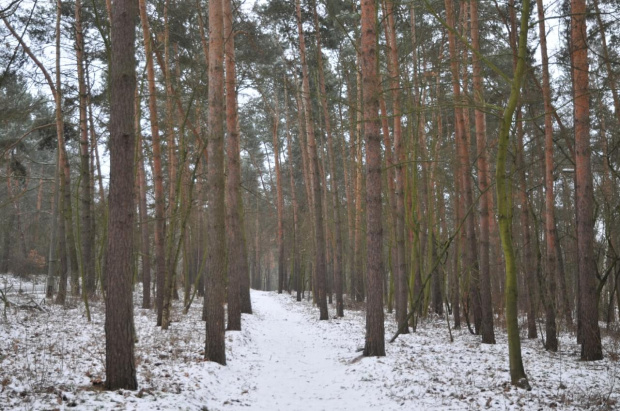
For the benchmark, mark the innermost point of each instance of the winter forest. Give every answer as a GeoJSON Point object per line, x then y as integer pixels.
{"type": "Point", "coordinates": [310, 204]}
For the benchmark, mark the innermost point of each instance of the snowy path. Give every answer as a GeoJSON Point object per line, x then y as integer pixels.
{"type": "Point", "coordinates": [298, 366]}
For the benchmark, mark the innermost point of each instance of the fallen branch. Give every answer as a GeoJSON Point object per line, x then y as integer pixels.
{"type": "Point", "coordinates": [29, 305]}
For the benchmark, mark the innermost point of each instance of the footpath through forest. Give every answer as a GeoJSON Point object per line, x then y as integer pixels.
{"type": "Point", "coordinates": [304, 366]}
{"type": "Point", "coordinates": [284, 359]}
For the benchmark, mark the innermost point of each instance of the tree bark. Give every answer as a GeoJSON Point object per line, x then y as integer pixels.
{"type": "Point", "coordinates": [391, 200]}
{"type": "Point", "coordinates": [504, 204]}
{"type": "Point", "coordinates": [529, 264]}
{"type": "Point", "coordinates": [119, 331]}
{"type": "Point", "coordinates": [357, 277]}
{"type": "Point", "coordinates": [337, 258]}
{"type": "Point", "coordinates": [295, 240]}
{"type": "Point", "coordinates": [400, 276]}
{"type": "Point", "coordinates": [62, 252]}
{"type": "Point", "coordinates": [158, 179]}
{"type": "Point", "coordinates": [319, 231]}
{"type": "Point", "coordinates": [144, 231]}
{"type": "Point", "coordinates": [350, 186]}
{"type": "Point", "coordinates": [550, 232]}
{"type": "Point", "coordinates": [375, 335]}
{"type": "Point", "coordinates": [257, 274]}
{"type": "Point", "coordinates": [215, 349]}
{"type": "Point", "coordinates": [488, 334]}
{"type": "Point", "coordinates": [279, 197]}
{"type": "Point", "coordinates": [171, 215]}
{"type": "Point", "coordinates": [591, 348]}
{"type": "Point", "coordinates": [51, 261]}
{"type": "Point", "coordinates": [237, 263]}
{"type": "Point", "coordinates": [62, 162]}
{"type": "Point", "coordinates": [86, 227]}
{"type": "Point", "coordinates": [462, 144]}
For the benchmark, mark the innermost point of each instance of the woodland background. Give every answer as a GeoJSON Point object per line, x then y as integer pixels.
{"type": "Point", "coordinates": [419, 157]}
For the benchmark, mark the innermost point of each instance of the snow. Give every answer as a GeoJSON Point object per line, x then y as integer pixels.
{"type": "Point", "coordinates": [284, 359]}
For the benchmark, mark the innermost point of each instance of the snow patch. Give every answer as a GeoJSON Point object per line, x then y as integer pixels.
{"type": "Point", "coordinates": [283, 359]}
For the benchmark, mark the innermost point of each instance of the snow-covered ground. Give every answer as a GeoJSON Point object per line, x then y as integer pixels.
{"type": "Point", "coordinates": [284, 359]}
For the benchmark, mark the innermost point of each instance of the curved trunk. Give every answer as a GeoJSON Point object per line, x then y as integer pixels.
{"type": "Point", "coordinates": [504, 205]}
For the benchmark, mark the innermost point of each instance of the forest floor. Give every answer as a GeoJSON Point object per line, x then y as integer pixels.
{"type": "Point", "coordinates": [284, 359]}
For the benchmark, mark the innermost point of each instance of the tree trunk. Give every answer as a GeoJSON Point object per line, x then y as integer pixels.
{"type": "Point", "coordinates": [550, 232]}
{"type": "Point", "coordinates": [51, 261]}
{"type": "Point", "coordinates": [257, 280]}
{"type": "Point", "coordinates": [144, 231]}
{"type": "Point", "coordinates": [462, 146]}
{"type": "Point", "coordinates": [337, 260]}
{"type": "Point", "coordinates": [350, 187]}
{"type": "Point", "coordinates": [279, 197]}
{"type": "Point", "coordinates": [169, 132]}
{"type": "Point", "coordinates": [119, 331]}
{"type": "Point", "coordinates": [609, 194]}
{"type": "Point", "coordinates": [591, 348]}
{"type": "Point", "coordinates": [237, 264]}
{"type": "Point", "coordinates": [488, 334]}
{"type": "Point", "coordinates": [391, 201]}
{"type": "Point", "coordinates": [62, 161]}
{"type": "Point", "coordinates": [529, 264]}
{"type": "Point", "coordinates": [375, 335]}
{"type": "Point", "coordinates": [215, 349]}
{"type": "Point", "coordinates": [244, 280]}
{"type": "Point", "coordinates": [62, 252]}
{"type": "Point", "coordinates": [441, 221]}
{"type": "Point", "coordinates": [504, 205]}
{"type": "Point", "coordinates": [86, 227]}
{"type": "Point", "coordinates": [302, 143]}
{"type": "Point", "coordinates": [319, 232]}
{"type": "Point", "coordinates": [400, 275]}
{"type": "Point", "coordinates": [160, 222]}
{"type": "Point", "coordinates": [295, 240]}
{"type": "Point", "coordinates": [357, 278]}
{"type": "Point", "coordinates": [329, 237]}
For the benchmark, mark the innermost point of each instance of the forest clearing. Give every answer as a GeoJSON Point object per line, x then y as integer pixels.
{"type": "Point", "coordinates": [285, 359]}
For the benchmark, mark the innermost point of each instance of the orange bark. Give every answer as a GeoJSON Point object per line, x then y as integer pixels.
{"type": "Point", "coordinates": [375, 336]}
{"type": "Point", "coordinates": [588, 330]}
